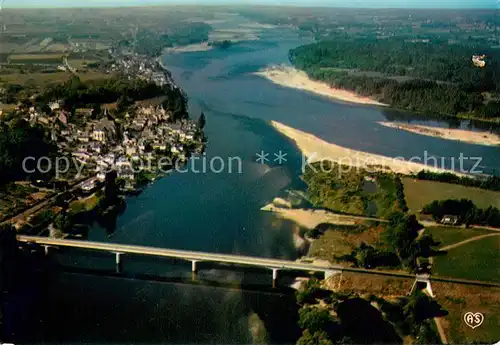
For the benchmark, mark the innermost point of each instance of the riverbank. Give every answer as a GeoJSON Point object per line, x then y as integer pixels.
{"type": "Point", "coordinates": [306, 218]}
{"type": "Point", "coordinates": [293, 78]}
{"type": "Point", "coordinates": [471, 137]}
{"type": "Point", "coordinates": [317, 150]}
{"type": "Point", "coordinates": [191, 48]}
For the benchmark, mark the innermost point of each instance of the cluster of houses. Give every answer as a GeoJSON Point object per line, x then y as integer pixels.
{"type": "Point", "coordinates": [140, 136]}
{"type": "Point", "coordinates": [130, 144]}
{"type": "Point", "coordinates": [123, 146]}
{"type": "Point", "coordinates": [138, 66]}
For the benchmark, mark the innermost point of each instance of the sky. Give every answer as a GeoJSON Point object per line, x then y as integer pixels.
{"type": "Point", "coordinates": [332, 3]}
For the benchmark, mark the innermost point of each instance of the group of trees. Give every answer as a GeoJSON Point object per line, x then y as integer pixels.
{"type": "Point", "coordinates": [465, 210]}
{"type": "Point", "coordinates": [152, 43]}
{"type": "Point", "coordinates": [10, 95]}
{"type": "Point", "coordinates": [91, 94]}
{"type": "Point", "coordinates": [337, 320]}
{"type": "Point", "coordinates": [401, 245]}
{"type": "Point", "coordinates": [434, 78]}
{"type": "Point", "coordinates": [400, 194]}
{"type": "Point", "coordinates": [19, 140]}
{"type": "Point", "coordinates": [401, 235]}
{"type": "Point", "coordinates": [413, 316]}
{"type": "Point", "coordinates": [368, 256]}
{"type": "Point", "coordinates": [435, 60]}
{"type": "Point", "coordinates": [74, 92]}
{"type": "Point", "coordinates": [489, 183]}
{"type": "Point", "coordinates": [330, 188]}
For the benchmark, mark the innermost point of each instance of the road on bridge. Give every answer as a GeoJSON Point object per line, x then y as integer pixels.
{"type": "Point", "coordinates": [269, 263]}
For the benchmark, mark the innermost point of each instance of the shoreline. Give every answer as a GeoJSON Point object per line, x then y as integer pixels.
{"type": "Point", "coordinates": [190, 48]}
{"type": "Point", "coordinates": [305, 217]}
{"type": "Point", "coordinates": [317, 150]}
{"type": "Point", "coordinates": [471, 137]}
{"type": "Point", "coordinates": [293, 78]}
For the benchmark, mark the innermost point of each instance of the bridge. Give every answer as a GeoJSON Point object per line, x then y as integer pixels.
{"type": "Point", "coordinates": [194, 257]}
{"type": "Point", "coordinates": [275, 265]}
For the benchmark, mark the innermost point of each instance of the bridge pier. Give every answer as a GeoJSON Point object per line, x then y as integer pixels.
{"type": "Point", "coordinates": [275, 276]}
{"type": "Point", "coordinates": [46, 250]}
{"type": "Point", "coordinates": [118, 261]}
{"type": "Point", "coordinates": [331, 273]}
{"type": "Point", "coordinates": [194, 269]}
{"type": "Point", "coordinates": [425, 279]}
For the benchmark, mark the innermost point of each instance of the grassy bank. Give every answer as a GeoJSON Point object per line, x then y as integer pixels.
{"type": "Point", "coordinates": [419, 193]}
{"type": "Point", "coordinates": [450, 235]}
{"type": "Point", "coordinates": [478, 260]}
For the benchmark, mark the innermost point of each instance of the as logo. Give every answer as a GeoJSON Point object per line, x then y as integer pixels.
{"type": "Point", "coordinates": [473, 320]}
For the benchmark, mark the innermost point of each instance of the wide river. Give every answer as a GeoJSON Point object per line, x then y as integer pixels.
{"type": "Point", "coordinates": [220, 212]}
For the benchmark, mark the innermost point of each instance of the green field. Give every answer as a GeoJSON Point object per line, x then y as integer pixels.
{"type": "Point", "coordinates": [478, 260]}
{"type": "Point", "coordinates": [43, 58]}
{"type": "Point", "coordinates": [41, 80]}
{"type": "Point", "coordinates": [451, 235]}
{"type": "Point", "coordinates": [419, 193]}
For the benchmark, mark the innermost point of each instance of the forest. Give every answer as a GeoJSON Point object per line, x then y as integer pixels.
{"type": "Point", "coordinates": [17, 141]}
{"type": "Point", "coordinates": [465, 210]}
{"type": "Point", "coordinates": [488, 183]}
{"type": "Point", "coordinates": [427, 76]}
{"type": "Point", "coordinates": [151, 43]}
{"type": "Point", "coordinates": [75, 93]}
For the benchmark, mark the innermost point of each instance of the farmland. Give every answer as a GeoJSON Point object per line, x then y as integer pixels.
{"type": "Point", "coordinates": [419, 193]}
{"type": "Point", "coordinates": [477, 260]}
{"type": "Point", "coordinates": [42, 58]}
{"type": "Point", "coordinates": [459, 299]}
{"type": "Point", "coordinates": [450, 235]}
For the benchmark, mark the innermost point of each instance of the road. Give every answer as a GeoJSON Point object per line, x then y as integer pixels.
{"type": "Point", "coordinates": [227, 258]}
{"type": "Point", "coordinates": [181, 254]}
{"type": "Point", "coordinates": [429, 224]}
{"type": "Point", "coordinates": [451, 246]}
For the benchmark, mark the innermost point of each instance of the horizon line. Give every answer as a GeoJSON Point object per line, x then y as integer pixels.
{"type": "Point", "coordinates": [242, 5]}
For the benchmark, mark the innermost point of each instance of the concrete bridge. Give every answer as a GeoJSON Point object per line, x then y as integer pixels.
{"type": "Point", "coordinates": [275, 265]}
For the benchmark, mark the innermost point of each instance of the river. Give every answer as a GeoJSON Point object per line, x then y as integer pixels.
{"type": "Point", "coordinates": [220, 212]}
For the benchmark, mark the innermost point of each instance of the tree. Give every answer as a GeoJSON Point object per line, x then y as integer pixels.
{"type": "Point", "coordinates": [314, 319]}
{"type": "Point", "coordinates": [314, 233]}
{"type": "Point", "coordinates": [123, 103]}
{"type": "Point", "coordinates": [427, 246]}
{"type": "Point", "coordinates": [62, 222]}
{"type": "Point", "coordinates": [96, 111]}
{"type": "Point", "coordinates": [8, 256]}
{"type": "Point", "coordinates": [316, 338]}
{"type": "Point", "coordinates": [201, 121]}
{"type": "Point", "coordinates": [366, 256]}
{"type": "Point", "coordinates": [310, 292]}
{"type": "Point", "coordinates": [400, 234]}
{"type": "Point", "coordinates": [46, 109]}
{"type": "Point", "coordinates": [110, 189]}
{"type": "Point", "coordinates": [420, 307]}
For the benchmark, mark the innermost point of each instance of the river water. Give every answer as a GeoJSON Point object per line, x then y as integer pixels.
{"type": "Point", "coordinates": [220, 212]}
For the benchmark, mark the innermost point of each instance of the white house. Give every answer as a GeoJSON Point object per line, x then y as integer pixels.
{"type": "Point", "coordinates": [54, 106]}
{"type": "Point", "coordinates": [99, 135]}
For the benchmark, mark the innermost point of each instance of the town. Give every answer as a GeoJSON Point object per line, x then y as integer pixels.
{"type": "Point", "coordinates": [133, 123]}
{"type": "Point", "coordinates": [145, 133]}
